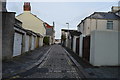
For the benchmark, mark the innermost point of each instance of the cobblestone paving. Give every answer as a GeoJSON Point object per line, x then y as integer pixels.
{"type": "Point", "coordinates": [56, 65]}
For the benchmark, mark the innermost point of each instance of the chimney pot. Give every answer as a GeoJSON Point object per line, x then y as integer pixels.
{"type": "Point", "coordinates": [27, 6]}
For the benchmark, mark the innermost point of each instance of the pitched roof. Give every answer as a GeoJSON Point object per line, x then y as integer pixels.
{"type": "Point", "coordinates": [104, 15]}
{"type": "Point", "coordinates": [47, 25]}
{"type": "Point", "coordinates": [66, 30]}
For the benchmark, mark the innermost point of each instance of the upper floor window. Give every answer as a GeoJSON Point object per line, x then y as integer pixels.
{"type": "Point", "coordinates": [110, 25]}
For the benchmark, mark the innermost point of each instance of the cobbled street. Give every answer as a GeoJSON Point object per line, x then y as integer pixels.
{"type": "Point", "coordinates": [56, 64]}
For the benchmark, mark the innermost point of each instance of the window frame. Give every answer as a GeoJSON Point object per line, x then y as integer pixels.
{"type": "Point", "coordinates": [110, 25]}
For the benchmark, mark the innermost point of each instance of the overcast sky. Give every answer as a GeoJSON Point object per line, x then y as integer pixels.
{"type": "Point", "coordinates": [62, 12]}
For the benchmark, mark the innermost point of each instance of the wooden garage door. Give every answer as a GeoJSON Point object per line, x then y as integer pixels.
{"type": "Point", "coordinates": [86, 48]}
{"type": "Point", "coordinates": [17, 49]}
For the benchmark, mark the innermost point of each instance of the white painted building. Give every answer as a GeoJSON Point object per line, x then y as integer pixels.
{"type": "Point", "coordinates": [103, 21]}
{"type": "Point", "coordinates": [103, 29]}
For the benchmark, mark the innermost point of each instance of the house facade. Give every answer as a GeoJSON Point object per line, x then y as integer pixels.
{"type": "Point", "coordinates": [50, 32]}
{"type": "Point", "coordinates": [70, 39]}
{"type": "Point", "coordinates": [31, 21]}
{"type": "Point", "coordinates": [99, 38]}
{"type": "Point", "coordinates": [17, 40]}
{"type": "Point", "coordinates": [64, 37]}
{"type": "Point", "coordinates": [102, 21]}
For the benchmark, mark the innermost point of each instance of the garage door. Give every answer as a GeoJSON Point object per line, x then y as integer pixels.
{"type": "Point", "coordinates": [17, 49]}
{"type": "Point", "coordinates": [33, 43]}
{"type": "Point", "coordinates": [27, 43]}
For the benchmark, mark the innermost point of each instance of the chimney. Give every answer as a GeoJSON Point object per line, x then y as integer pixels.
{"type": "Point", "coordinates": [27, 6]}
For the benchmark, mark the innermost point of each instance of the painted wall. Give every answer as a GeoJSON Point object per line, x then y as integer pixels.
{"type": "Point", "coordinates": [81, 45]}
{"type": "Point", "coordinates": [104, 48]}
{"type": "Point", "coordinates": [74, 43]}
{"type": "Point", "coordinates": [99, 24]}
{"type": "Point", "coordinates": [41, 41]}
{"type": "Point", "coordinates": [31, 22]}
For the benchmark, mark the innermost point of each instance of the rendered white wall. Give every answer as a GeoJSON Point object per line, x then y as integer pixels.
{"type": "Point", "coordinates": [74, 43]}
{"type": "Point", "coordinates": [31, 22]}
{"type": "Point", "coordinates": [27, 43]}
{"type": "Point", "coordinates": [81, 45]}
{"type": "Point", "coordinates": [40, 41]}
{"type": "Point", "coordinates": [99, 24]}
{"type": "Point", "coordinates": [104, 48]}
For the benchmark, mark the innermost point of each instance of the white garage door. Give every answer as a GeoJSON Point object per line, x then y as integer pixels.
{"type": "Point", "coordinates": [17, 49]}
{"type": "Point", "coordinates": [33, 43]}
{"type": "Point", "coordinates": [27, 43]}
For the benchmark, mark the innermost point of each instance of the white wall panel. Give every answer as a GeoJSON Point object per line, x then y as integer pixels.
{"type": "Point", "coordinates": [17, 48]}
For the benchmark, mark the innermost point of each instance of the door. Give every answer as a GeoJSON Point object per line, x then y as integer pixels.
{"type": "Point", "coordinates": [86, 48]}
{"type": "Point", "coordinates": [27, 42]}
{"type": "Point", "coordinates": [17, 49]}
{"type": "Point", "coordinates": [30, 42]}
{"type": "Point", "coordinates": [77, 45]}
{"type": "Point", "coordinates": [33, 43]}
{"type": "Point", "coordinates": [37, 42]}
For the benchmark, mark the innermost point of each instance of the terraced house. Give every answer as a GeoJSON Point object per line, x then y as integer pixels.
{"type": "Point", "coordinates": [22, 33]}
{"type": "Point", "coordinates": [31, 21]}
{"type": "Point", "coordinates": [99, 39]}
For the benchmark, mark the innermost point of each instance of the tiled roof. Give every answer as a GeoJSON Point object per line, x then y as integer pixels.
{"type": "Point", "coordinates": [104, 15]}
{"type": "Point", "coordinates": [66, 30]}
{"type": "Point", "coordinates": [75, 33]}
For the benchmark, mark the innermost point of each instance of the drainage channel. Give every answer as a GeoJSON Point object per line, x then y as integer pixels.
{"type": "Point", "coordinates": [78, 67]}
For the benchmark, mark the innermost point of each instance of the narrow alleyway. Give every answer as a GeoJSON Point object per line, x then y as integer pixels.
{"type": "Point", "coordinates": [56, 64]}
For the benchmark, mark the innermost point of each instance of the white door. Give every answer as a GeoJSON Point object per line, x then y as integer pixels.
{"type": "Point", "coordinates": [27, 43]}
{"type": "Point", "coordinates": [17, 49]}
{"type": "Point", "coordinates": [33, 43]}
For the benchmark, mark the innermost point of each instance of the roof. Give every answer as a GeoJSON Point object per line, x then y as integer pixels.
{"type": "Point", "coordinates": [117, 11]}
{"type": "Point", "coordinates": [36, 17]}
{"type": "Point", "coordinates": [75, 33]}
{"type": "Point", "coordinates": [104, 15]}
{"type": "Point", "coordinates": [17, 26]}
{"type": "Point", "coordinates": [30, 33]}
{"type": "Point", "coordinates": [66, 30]}
{"type": "Point", "coordinates": [47, 25]}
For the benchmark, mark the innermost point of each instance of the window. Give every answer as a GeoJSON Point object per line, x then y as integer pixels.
{"type": "Point", "coordinates": [110, 25]}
